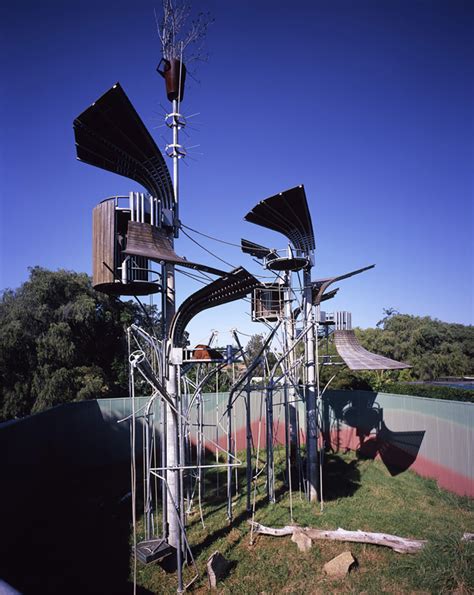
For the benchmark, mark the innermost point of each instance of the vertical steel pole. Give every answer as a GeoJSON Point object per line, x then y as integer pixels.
{"type": "Point", "coordinates": [311, 413]}
{"type": "Point", "coordinates": [229, 453]}
{"type": "Point", "coordinates": [248, 429]}
{"type": "Point", "coordinates": [269, 444]}
{"type": "Point", "coordinates": [290, 393]}
{"type": "Point", "coordinates": [172, 447]}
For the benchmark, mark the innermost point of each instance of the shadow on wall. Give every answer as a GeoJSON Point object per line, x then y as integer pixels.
{"type": "Point", "coordinates": [65, 523]}
{"type": "Point", "coordinates": [354, 420]}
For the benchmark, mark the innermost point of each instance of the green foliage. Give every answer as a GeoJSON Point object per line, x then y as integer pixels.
{"type": "Point", "coordinates": [252, 349]}
{"type": "Point", "coordinates": [60, 341]}
{"type": "Point", "coordinates": [220, 382]}
{"type": "Point", "coordinates": [431, 391]}
{"type": "Point", "coordinates": [433, 348]}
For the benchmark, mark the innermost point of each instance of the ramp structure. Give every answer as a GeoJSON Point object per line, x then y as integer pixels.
{"type": "Point", "coordinates": [357, 357]}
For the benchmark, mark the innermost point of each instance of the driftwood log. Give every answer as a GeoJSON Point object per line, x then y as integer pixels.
{"type": "Point", "coordinates": [398, 544]}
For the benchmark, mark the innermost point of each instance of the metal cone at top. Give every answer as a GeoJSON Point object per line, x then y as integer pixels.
{"type": "Point", "coordinates": [174, 73]}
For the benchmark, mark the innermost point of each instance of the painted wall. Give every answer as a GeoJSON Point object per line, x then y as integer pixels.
{"type": "Point", "coordinates": [444, 452]}
{"type": "Point", "coordinates": [434, 438]}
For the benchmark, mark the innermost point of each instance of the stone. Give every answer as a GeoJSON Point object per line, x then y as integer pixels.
{"type": "Point", "coordinates": [302, 540]}
{"type": "Point", "coordinates": [217, 567]}
{"type": "Point", "coordinates": [341, 565]}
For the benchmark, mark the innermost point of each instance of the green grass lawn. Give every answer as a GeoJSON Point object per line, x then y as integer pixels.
{"type": "Point", "coordinates": [359, 494]}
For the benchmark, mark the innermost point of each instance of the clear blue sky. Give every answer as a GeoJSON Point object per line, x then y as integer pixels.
{"type": "Point", "coordinates": [369, 104]}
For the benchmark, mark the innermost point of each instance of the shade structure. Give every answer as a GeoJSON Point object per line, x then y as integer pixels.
{"type": "Point", "coordinates": [329, 294]}
{"type": "Point", "coordinates": [326, 296]}
{"type": "Point", "coordinates": [232, 286]}
{"type": "Point", "coordinates": [287, 213]}
{"type": "Point", "coordinates": [110, 134]}
{"type": "Point", "coordinates": [152, 242]}
{"type": "Point", "coordinates": [358, 358]}
{"type": "Point", "coordinates": [254, 249]}
{"type": "Point", "coordinates": [320, 285]}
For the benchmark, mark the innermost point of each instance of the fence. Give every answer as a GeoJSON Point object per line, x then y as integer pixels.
{"type": "Point", "coordinates": [434, 438]}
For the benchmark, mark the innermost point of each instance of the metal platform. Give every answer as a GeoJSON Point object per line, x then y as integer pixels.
{"type": "Point", "coordinates": [153, 550]}
{"type": "Point", "coordinates": [296, 263]}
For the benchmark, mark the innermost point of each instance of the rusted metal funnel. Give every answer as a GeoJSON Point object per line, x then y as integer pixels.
{"type": "Point", "coordinates": [174, 73]}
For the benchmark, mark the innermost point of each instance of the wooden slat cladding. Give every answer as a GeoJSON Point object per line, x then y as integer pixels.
{"type": "Point", "coordinates": [103, 242]}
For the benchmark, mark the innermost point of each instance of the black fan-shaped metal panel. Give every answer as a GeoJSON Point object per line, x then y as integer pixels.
{"type": "Point", "coordinates": [110, 134]}
{"type": "Point", "coordinates": [287, 213]}
{"type": "Point", "coordinates": [253, 249]}
{"type": "Point", "coordinates": [152, 242]}
{"type": "Point", "coordinates": [320, 285]}
{"type": "Point", "coordinates": [232, 286]}
{"type": "Point", "coordinates": [329, 294]}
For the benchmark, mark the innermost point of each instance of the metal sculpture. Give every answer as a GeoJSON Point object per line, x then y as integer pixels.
{"type": "Point", "coordinates": [133, 254]}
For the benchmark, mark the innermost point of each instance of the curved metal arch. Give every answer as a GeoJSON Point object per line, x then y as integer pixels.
{"type": "Point", "coordinates": [111, 135]}
{"type": "Point", "coordinates": [228, 288]}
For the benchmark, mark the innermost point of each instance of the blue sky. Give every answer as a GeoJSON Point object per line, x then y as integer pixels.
{"type": "Point", "coordinates": [369, 104]}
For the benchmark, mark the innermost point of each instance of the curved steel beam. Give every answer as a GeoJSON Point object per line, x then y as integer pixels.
{"type": "Point", "coordinates": [228, 288]}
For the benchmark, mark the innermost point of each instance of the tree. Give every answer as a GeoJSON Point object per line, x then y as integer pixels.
{"type": "Point", "coordinates": [433, 348]}
{"type": "Point", "coordinates": [61, 341]}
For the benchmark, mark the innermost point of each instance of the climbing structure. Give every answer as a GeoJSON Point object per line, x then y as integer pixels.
{"type": "Point", "coordinates": [134, 255]}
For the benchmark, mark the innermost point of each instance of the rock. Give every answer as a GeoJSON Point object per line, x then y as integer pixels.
{"type": "Point", "coordinates": [303, 542]}
{"type": "Point", "coordinates": [341, 565]}
{"type": "Point", "coordinates": [217, 567]}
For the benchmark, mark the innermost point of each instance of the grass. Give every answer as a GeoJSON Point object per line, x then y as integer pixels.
{"type": "Point", "coordinates": [360, 494]}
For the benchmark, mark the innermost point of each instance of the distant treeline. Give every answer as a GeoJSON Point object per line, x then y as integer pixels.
{"type": "Point", "coordinates": [61, 341]}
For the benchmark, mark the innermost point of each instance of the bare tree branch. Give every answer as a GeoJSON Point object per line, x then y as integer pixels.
{"type": "Point", "coordinates": [177, 42]}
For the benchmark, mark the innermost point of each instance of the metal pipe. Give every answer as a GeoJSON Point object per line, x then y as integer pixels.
{"type": "Point", "coordinates": [172, 444]}
{"type": "Point", "coordinates": [233, 390]}
{"type": "Point", "coordinates": [130, 198]}
{"type": "Point", "coordinates": [172, 450]}
{"type": "Point", "coordinates": [269, 446]}
{"type": "Point", "coordinates": [248, 427]}
{"type": "Point", "coordinates": [310, 393]}
{"type": "Point", "coordinates": [248, 420]}
{"type": "Point", "coordinates": [124, 269]}
{"type": "Point", "coordinates": [148, 509]}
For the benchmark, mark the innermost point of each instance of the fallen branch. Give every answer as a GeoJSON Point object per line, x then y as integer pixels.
{"type": "Point", "coordinates": [398, 544]}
